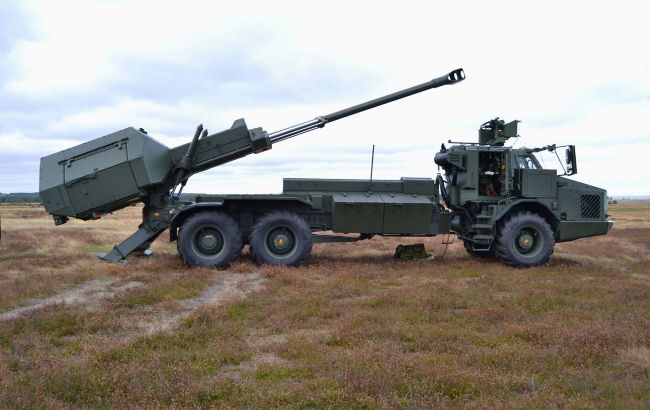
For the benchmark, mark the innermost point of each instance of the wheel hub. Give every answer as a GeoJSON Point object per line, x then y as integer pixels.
{"type": "Point", "coordinates": [527, 241]}
{"type": "Point", "coordinates": [209, 241]}
{"type": "Point", "coordinates": [280, 241]}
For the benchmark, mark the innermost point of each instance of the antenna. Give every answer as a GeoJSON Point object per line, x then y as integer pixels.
{"type": "Point", "coordinates": [372, 165]}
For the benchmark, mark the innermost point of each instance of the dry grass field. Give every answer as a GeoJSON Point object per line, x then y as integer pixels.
{"type": "Point", "coordinates": [355, 328]}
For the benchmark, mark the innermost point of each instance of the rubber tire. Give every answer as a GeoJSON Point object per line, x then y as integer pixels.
{"type": "Point", "coordinates": [298, 227]}
{"type": "Point", "coordinates": [505, 248]}
{"type": "Point", "coordinates": [477, 254]}
{"type": "Point", "coordinates": [225, 224]}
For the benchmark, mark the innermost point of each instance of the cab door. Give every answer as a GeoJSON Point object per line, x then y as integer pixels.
{"type": "Point", "coordinates": [492, 177]}
{"type": "Point", "coordinates": [530, 180]}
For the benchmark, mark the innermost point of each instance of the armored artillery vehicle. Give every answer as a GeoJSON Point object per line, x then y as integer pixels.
{"type": "Point", "coordinates": [498, 200]}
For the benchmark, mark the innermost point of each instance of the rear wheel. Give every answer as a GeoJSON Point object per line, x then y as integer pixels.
{"type": "Point", "coordinates": [524, 239]}
{"type": "Point", "coordinates": [209, 239]}
{"type": "Point", "coordinates": [281, 238]}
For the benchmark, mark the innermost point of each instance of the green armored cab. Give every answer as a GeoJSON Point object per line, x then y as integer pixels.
{"type": "Point", "coordinates": [498, 200]}
{"type": "Point", "coordinates": [505, 204]}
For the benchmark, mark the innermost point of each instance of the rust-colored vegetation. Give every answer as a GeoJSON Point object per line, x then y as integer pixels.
{"type": "Point", "coordinates": [355, 328]}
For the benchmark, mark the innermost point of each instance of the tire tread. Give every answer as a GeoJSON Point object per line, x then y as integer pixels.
{"type": "Point", "coordinates": [506, 231]}
{"type": "Point", "coordinates": [303, 231]}
{"type": "Point", "coordinates": [229, 224]}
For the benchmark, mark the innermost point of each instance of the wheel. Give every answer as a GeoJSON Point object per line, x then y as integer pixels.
{"type": "Point", "coordinates": [281, 238]}
{"type": "Point", "coordinates": [524, 239]}
{"type": "Point", "coordinates": [209, 239]}
{"type": "Point", "coordinates": [475, 253]}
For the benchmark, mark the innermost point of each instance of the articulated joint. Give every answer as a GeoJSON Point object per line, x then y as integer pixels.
{"type": "Point", "coordinates": [321, 121]}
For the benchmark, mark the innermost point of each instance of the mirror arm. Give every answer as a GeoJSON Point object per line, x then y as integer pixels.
{"type": "Point", "coordinates": [561, 164]}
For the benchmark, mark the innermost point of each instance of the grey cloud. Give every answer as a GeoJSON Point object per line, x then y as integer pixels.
{"type": "Point", "coordinates": [224, 82]}
{"type": "Point", "coordinates": [231, 77]}
{"type": "Point", "coordinates": [18, 174]}
{"type": "Point", "coordinates": [223, 74]}
{"type": "Point", "coordinates": [14, 26]}
{"type": "Point", "coordinates": [623, 92]}
{"type": "Point", "coordinates": [610, 93]}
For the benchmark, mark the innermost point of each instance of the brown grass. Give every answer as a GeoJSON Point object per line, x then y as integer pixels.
{"type": "Point", "coordinates": [355, 328]}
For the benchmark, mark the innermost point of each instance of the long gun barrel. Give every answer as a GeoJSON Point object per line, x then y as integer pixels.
{"type": "Point", "coordinates": [240, 141]}
{"type": "Point", "coordinates": [453, 77]}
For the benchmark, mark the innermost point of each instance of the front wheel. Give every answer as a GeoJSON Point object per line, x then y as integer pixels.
{"type": "Point", "coordinates": [524, 239]}
{"type": "Point", "coordinates": [281, 238]}
{"type": "Point", "coordinates": [209, 239]}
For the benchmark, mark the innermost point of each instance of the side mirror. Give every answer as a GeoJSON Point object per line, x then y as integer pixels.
{"type": "Point", "coordinates": [572, 166]}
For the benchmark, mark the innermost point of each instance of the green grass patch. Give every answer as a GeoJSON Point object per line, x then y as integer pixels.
{"type": "Point", "coordinates": [77, 385]}
{"type": "Point", "coordinates": [99, 247]}
{"type": "Point", "coordinates": [157, 292]}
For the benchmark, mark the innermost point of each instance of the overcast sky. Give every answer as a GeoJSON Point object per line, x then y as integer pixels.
{"type": "Point", "coordinates": [578, 74]}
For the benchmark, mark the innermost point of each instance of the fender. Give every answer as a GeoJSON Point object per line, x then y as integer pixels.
{"type": "Point", "coordinates": [186, 211]}
{"type": "Point", "coordinates": [542, 209]}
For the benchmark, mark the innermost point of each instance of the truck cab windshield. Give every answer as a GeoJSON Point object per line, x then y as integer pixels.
{"type": "Point", "coordinates": [527, 162]}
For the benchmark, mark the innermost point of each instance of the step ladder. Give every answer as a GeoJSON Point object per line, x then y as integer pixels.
{"type": "Point", "coordinates": [482, 241]}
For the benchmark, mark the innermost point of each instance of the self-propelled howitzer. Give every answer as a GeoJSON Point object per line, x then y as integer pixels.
{"type": "Point", "coordinates": [128, 166]}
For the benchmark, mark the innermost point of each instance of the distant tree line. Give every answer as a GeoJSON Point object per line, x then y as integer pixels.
{"type": "Point", "coordinates": [20, 197]}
